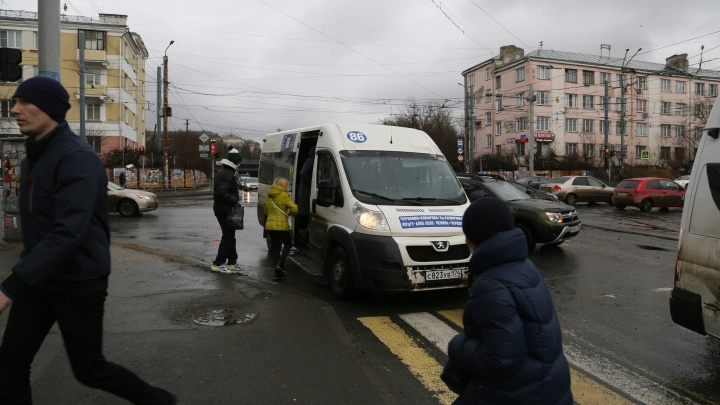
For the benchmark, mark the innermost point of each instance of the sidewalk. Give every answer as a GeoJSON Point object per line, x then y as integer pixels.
{"type": "Point", "coordinates": [181, 193]}
{"type": "Point", "coordinates": [295, 352]}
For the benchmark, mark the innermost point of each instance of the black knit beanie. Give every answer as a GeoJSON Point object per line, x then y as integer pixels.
{"type": "Point", "coordinates": [47, 94]}
{"type": "Point", "coordinates": [485, 217]}
{"type": "Point", "coordinates": [234, 155]}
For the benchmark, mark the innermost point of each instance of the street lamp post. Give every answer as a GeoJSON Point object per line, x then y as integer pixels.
{"type": "Point", "coordinates": [165, 116]}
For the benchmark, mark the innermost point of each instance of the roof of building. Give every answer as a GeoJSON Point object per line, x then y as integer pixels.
{"type": "Point", "coordinates": [573, 57]}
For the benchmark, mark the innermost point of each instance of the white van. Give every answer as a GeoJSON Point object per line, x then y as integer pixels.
{"type": "Point", "coordinates": [386, 207]}
{"type": "Point", "coordinates": [695, 300]}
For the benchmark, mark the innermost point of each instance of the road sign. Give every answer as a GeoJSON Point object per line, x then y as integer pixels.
{"type": "Point", "coordinates": [617, 148]}
{"type": "Point", "coordinates": [460, 151]}
{"type": "Point", "coordinates": [460, 158]}
{"type": "Point", "coordinates": [203, 155]}
{"type": "Point", "coordinates": [204, 138]}
{"type": "Point", "coordinates": [484, 157]}
{"type": "Point", "coordinates": [460, 143]}
{"type": "Point", "coordinates": [204, 148]}
{"type": "Point", "coordinates": [645, 155]}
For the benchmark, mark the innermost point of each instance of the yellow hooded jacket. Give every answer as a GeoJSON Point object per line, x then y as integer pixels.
{"type": "Point", "coordinates": [275, 219]}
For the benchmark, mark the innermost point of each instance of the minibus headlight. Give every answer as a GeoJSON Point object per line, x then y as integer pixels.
{"type": "Point", "coordinates": [370, 219]}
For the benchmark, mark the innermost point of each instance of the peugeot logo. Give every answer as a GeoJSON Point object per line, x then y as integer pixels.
{"type": "Point", "coordinates": [440, 245]}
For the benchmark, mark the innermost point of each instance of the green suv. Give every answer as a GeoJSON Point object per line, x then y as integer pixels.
{"type": "Point", "coordinates": [550, 223]}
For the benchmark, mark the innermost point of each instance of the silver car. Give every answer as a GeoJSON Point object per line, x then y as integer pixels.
{"type": "Point", "coordinates": [130, 202]}
{"type": "Point", "coordinates": [575, 189]}
{"type": "Point", "coordinates": [684, 181]}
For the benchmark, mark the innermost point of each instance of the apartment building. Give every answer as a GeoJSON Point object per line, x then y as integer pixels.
{"type": "Point", "coordinates": [115, 75]}
{"type": "Point", "coordinates": [663, 107]}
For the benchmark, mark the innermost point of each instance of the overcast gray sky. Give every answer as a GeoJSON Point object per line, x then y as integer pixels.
{"type": "Point", "coordinates": [352, 60]}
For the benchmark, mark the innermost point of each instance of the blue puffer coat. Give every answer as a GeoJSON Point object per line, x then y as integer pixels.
{"type": "Point", "coordinates": [511, 343]}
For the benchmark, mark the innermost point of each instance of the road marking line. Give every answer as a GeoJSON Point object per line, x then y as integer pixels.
{"type": "Point", "coordinates": [454, 316]}
{"type": "Point", "coordinates": [587, 391]}
{"type": "Point", "coordinates": [622, 379]}
{"type": "Point", "coordinates": [431, 328]}
{"type": "Point", "coordinates": [666, 289]}
{"type": "Point", "coordinates": [425, 368]}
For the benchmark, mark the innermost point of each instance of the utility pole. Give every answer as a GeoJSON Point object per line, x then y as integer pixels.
{"type": "Point", "coordinates": [49, 39]}
{"type": "Point", "coordinates": [623, 129]}
{"type": "Point", "coordinates": [531, 140]}
{"type": "Point", "coordinates": [158, 125]}
{"type": "Point", "coordinates": [471, 141]}
{"type": "Point", "coordinates": [187, 125]}
{"type": "Point", "coordinates": [606, 105]}
{"type": "Point", "coordinates": [81, 36]}
{"type": "Point", "coordinates": [166, 113]}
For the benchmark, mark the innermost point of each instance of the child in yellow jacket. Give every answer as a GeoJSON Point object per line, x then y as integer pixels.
{"type": "Point", "coordinates": [279, 207]}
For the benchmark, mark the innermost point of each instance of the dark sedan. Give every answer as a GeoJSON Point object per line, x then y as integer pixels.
{"type": "Point", "coordinates": [537, 194]}
{"type": "Point", "coordinates": [534, 181]}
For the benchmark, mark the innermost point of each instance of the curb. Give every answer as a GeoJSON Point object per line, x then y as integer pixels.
{"type": "Point", "coordinates": [631, 232]}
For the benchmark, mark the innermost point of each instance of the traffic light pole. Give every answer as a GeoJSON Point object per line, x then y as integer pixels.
{"type": "Point", "coordinates": [49, 39]}
{"type": "Point", "coordinates": [165, 121]}
{"type": "Point", "coordinates": [606, 105]}
{"type": "Point", "coordinates": [81, 36]}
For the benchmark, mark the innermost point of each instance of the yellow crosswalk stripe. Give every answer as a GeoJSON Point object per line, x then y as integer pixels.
{"type": "Point", "coordinates": [425, 368]}
{"type": "Point", "coordinates": [586, 391]}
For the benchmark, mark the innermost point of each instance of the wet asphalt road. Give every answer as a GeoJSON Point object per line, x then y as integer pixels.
{"type": "Point", "coordinates": [610, 288]}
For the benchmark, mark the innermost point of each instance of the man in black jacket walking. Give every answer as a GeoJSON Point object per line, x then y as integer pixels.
{"type": "Point", "coordinates": [62, 275]}
{"type": "Point", "coordinates": [225, 196]}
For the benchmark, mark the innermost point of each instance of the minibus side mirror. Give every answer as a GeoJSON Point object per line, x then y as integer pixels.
{"type": "Point", "coordinates": [325, 194]}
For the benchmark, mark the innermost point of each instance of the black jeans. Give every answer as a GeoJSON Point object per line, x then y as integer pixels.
{"type": "Point", "coordinates": [80, 318]}
{"type": "Point", "coordinates": [227, 251]}
{"type": "Point", "coordinates": [280, 239]}
{"type": "Point", "coordinates": [301, 223]}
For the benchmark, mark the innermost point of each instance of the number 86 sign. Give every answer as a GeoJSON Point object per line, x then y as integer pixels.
{"type": "Point", "coordinates": [357, 137]}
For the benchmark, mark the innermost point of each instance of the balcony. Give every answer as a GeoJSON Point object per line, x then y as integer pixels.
{"type": "Point", "coordinates": [94, 91]}
{"type": "Point", "coordinates": [92, 55]}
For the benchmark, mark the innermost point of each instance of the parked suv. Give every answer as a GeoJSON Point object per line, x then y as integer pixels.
{"type": "Point", "coordinates": [550, 223]}
{"type": "Point", "coordinates": [648, 192]}
{"type": "Point", "coordinates": [575, 189]}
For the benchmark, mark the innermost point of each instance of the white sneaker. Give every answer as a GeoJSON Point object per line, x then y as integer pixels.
{"type": "Point", "coordinates": [220, 269]}
{"type": "Point", "coordinates": [235, 268]}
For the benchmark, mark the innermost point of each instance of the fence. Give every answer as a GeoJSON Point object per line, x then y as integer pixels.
{"type": "Point", "coordinates": [154, 179]}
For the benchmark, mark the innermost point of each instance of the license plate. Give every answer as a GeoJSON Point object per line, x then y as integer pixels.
{"type": "Point", "coordinates": [575, 229]}
{"type": "Point", "coordinates": [442, 275]}
{"type": "Point", "coordinates": [622, 194]}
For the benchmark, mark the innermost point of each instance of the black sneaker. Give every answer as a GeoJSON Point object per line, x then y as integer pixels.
{"type": "Point", "coordinates": [279, 274]}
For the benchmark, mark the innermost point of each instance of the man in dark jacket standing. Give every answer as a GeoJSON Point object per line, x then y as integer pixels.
{"type": "Point", "coordinates": [302, 220]}
{"type": "Point", "coordinates": [225, 196]}
{"type": "Point", "coordinates": [62, 275]}
{"type": "Point", "coordinates": [511, 345]}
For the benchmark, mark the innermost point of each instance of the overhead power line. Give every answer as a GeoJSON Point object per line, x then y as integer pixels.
{"type": "Point", "coordinates": [498, 23]}
{"type": "Point", "coordinates": [677, 43]}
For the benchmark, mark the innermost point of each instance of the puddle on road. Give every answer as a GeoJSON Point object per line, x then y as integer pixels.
{"type": "Point", "coordinates": [225, 317]}
{"type": "Point", "coordinates": [648, 247]}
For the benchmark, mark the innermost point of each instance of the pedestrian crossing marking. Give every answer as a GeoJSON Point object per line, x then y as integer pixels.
{"type": "Point", "coordinates": [586, 390]}
{"type": "Point", "coordinates": [421, 364]}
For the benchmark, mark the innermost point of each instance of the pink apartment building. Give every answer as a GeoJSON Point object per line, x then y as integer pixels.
{"type": "Point", "coordinates": [663, 109]}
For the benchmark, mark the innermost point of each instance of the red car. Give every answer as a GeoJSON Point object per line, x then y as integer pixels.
{"type": "Point", "coordinates": [648, 192]}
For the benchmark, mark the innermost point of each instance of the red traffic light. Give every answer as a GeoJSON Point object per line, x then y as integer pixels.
{"type": "Point", "coordinates": [142, 149]}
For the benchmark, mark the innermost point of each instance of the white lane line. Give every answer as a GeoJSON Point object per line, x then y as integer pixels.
{"type": "Point", "coordinates": [666, 289]}
{"type": "Point", "coordinates": [431, 328]}
{"type": "Point", "coordinates": [629, 382]}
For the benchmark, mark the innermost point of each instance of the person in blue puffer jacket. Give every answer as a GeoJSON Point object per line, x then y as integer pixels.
{"type": "Point", "coordinates": [511, 345]}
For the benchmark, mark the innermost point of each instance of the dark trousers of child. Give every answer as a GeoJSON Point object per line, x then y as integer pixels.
{"type": "Point", "coordinates": [281, 244]}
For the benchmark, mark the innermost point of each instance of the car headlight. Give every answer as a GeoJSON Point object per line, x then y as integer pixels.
{"type": "Point", "coordinates": [143, 197]}
{"type": "Point", "coordinates": [370, 219]}
{"type": "Point", "coordinates": [554, 217]}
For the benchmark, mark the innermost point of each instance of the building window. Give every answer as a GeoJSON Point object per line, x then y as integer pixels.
{"type": "Point", "coordinates": [602, 127]}
{"type": "Point", "coordinates": [471, 79]}
{"type": "Point", "coordinates": [571, 100]}
{"type": "Point", "coordinates": [520, 148]}
{"type": "Point", "coordinates": [589, 126]}
{"type": "Point", "coordinates": [589, 150]}
{"type": "Point", "coordinates": [93, 112]}
{"type": "Point", "coordinates": [642, 83]}
{"type": "Point", "coordinates": [680, 109]}
{"type": "Point", "coordinates": [498, 128]}
{"type": "Point", "coordinates": [679, 131]}
{"type": "Point", "coordinates": [488, 98]}
{"type": "Point", "coordinates": [700, 110]}
{"type": "Point", "coordinates": [36, 40]}
{"type": "Point", "coordinates": [664, 153]}
{"type": "Point", "coordinates": [5, 107]}
{"type": "Point", "coordinates": [698, 132]}
{"type": "Point", "coordinates": [665, 130]}
{"type": "Point", "coordinates": [498, 82]}
{"type": "Point", "coordinates": [520, 100]}
{"type": "Point", "coordinates": [602, 103]}
{"type": "Point", "coordinates": [498, 105]}
{"type": "Point", "coordinates": [488, 118]}
{"type": "Point", "coordinates": [543, 98]}
{"type": "Point", "coordinates": [713, 90]}
{"type": "Point", "coordinates": [570, 149]}
{"type": "Point", "coordinates": [665, 85]}
{"type": "Point", "coordinates": [621, 80]}
{"type": "Point", "coordinates": [680, 154]}
{"type": "Point", "coordinates": [543, 123]}
{"type": "Point", "coordinates": [543, 72]}
{"type": "Point", "coordinates": [488, 141]}
{"type": "Point", "coordinates": [94, 40]}
{"type": "Point", "coordinates": [700, 89]}
{"type": "Point", "coordinates": [679, 87]}
{"type": "Point", "coordinates": [638, 151]}
{"type": "Point", "coordinates": [642, 105]}
{"type": "Point", "coordinates": [571, 75]}
{"type": "Point", "coordinates": [11, 39]}
{"type": "Point", "coordinates": [588, 77]}
{"type": "Point", "coordinates": [571, 125]}
{"type": "Point", "coordinates": [520, 74]}
{"type": "Point", "coordinates": [666, 108]}
{"type": "Point", "coordinates": [604, 78]}
{"type": "Point", "coordinates": [621, 128]}
{"type": "Point", "coordinates": [498, 149]}
{"type": "Point", "coordinates": [95, 142]}
{"type": "Point", "coordinates": [92, 76]}
{"type": "Point", "coordinates": [488, 74]}
{"type": "Point", "coordinates": [521, 124]}
{"type": "Point", "coordinates": [588, 101]}
{"type": "Point", "coordinates": [641, 129]}
{"type": "Point", "coordinates": [621, 104]}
